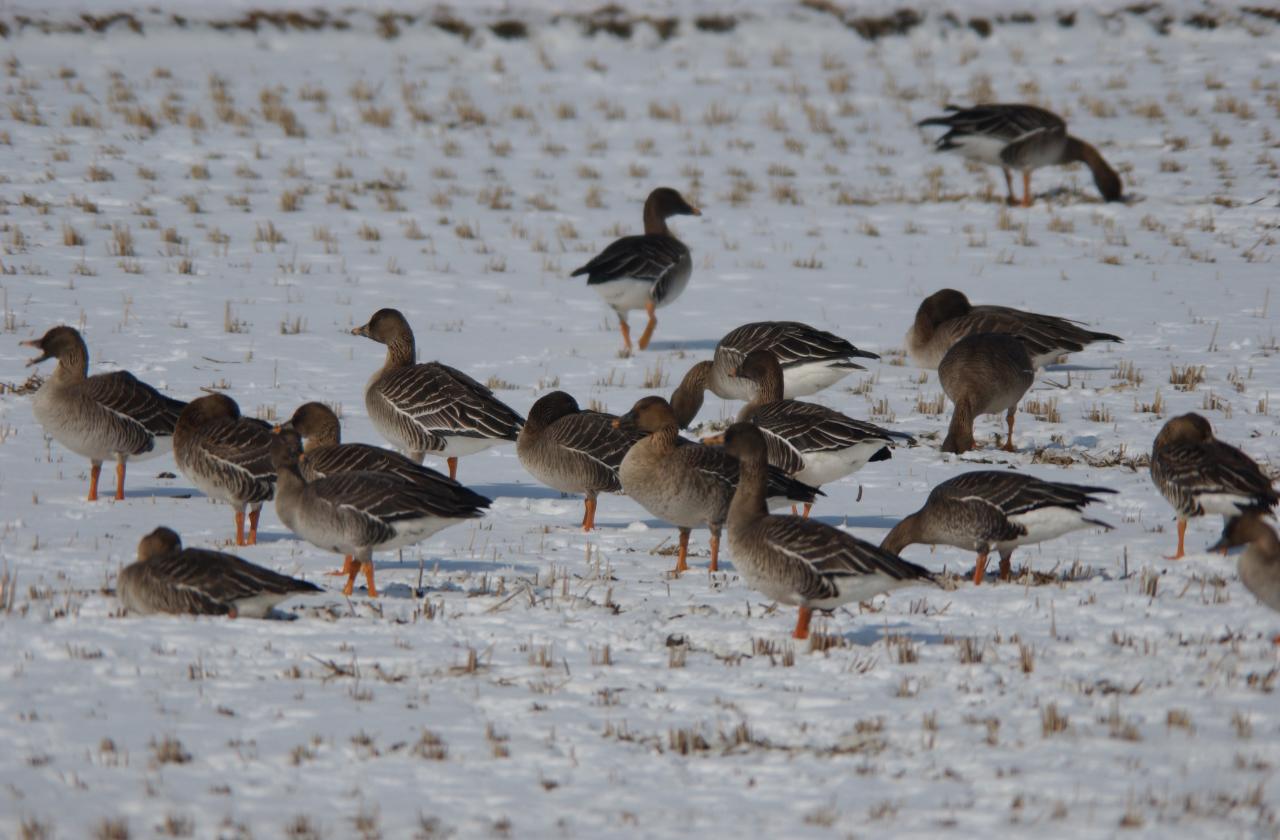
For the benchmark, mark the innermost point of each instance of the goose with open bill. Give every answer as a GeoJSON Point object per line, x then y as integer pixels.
{"type": "Point", "coordinates": [168, 578]}
{"type": "Point", "coordinates": [108, 416]}
{"type": "Point", "coordinates": [799, 561]}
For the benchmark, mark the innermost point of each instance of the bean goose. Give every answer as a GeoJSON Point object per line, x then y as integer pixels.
{"type": "Point", "coordinates": [430, 407]}
{"type": "Point", "coordinates": [946, 316]}
{"type": "Point", "coordinates": [325, 454]}
{"type": "Point", "coordinates": [686, 483]}
{"type": "Point", "coordinates": [101, 417]}
{"type": "Point", "coordinates": [168, 578]}
{"type": "Point", "coordinates": [800, 561]}
{"type": "Point", "coordinates": [1200, 475]}
{"type": "Point", "coordinates": [357, 512]}
{"type": "Point", "coordinates": [811, 359]}
{"type": "Point", "coordinates": [990, 510]}
{"type": "Point", "coordinates": [646, 271]}
{"type": "Point", "coordinates": [572, 450]}
{"type": "Point", "coordinates": [1260, 561]}
{"type": "Point", "coordinates": [1021, 137]}
{"type": "Point", "coordinates": [809, 442]}
{"type": "Point", "coordinates": [987, 373]}
{"type": "Point", "coordinates": [226, 457]}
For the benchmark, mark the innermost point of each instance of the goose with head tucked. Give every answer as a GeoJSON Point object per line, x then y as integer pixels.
{"type": "Point", "coordinates": [430, 407]}
{"type": "Point", "coordinates": [647, 271]}
{"type": "Point", "coordinates": [226, 457]}
{"type": "Point", "coordinates": [108, 416]}
{"type": "Point", "coordinates": [168, 578]}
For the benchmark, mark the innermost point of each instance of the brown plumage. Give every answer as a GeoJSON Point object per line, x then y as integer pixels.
{"type": "Point", "coordinates": [985, 373]}
{"type": "Point", "coordinates": [1260, 562]}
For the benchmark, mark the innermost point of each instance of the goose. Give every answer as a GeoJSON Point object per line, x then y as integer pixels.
{"type": "Point", "coordinates": [572, 450]}
{"type": "Point", "coordinates": [946, 316]}
{"type": "Point", "coordinates": [799, 561]}
{"type": "Point", "coordinates": [100, 417]}
{"type": "Point", "coordinates": [987, 373]}
{"type": "Point", "coordinates": [686, 483]}
{"type": "Point", "coordinates": [1199, 474]}
{"type": "Point", "coordinates": [1023, 137]}
{"type": "Point", "coordinates": [992, 510]}
{"type": "Point", "coordinates": [324, 454]}
{"type": "Point", "coordinates": [357, 512]}
{"type": "Point", "coordinates": [811, 360]}
{"type": "Point", "coordinates": [811, 443]}
{"type": "Point", "coordinates": [430, 407]}
{"type": "Point", "coordinates": [1260, 561]}
{"type": "Point", "coordinates": [168, 578]}
{"type": "Point", "coordinates": [225, 456]}
{"type": "Point", "coordinates": [646, 271]}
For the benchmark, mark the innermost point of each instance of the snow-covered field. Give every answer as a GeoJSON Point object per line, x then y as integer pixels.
{"type": "Point", "coordinates": [217, 210]}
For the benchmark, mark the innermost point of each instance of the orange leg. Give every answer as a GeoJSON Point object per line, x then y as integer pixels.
{"type": "Point", "coordinates": [1008, 182]}
{"type": "Point", "coordinates": [795, 511]}
{"type": "Point", "coordinates": [94, 471]}
{"type": "Point", "coordinates": [351, 577]}
{"type": "Point", "coordinates": [589, 518]}
{"type": "Point", "coordinates": [232, 613]}
{"type": "Point", "coordinates": [626, 332]}
{"type": "Point", "coordinates": [648, 328]}
{"type": "Point", "coordinates": [253, 525]}
{"type": "Point", "coordinates": [1182, 537]}
{"type": "Point", "coordinates": [240, 527]}
{"type": "Point", "coordinates": [980, 570]}
{"type": "Point", "coordinates": [1006, 567]}
{"type": "Point", "coordinates": [368, 578]}
{"type": "Point", "coordinates": [1026, 188]}
{"type": "Point", "coordinates": [453, 467]}
{"type": "Point", "coordinates": [681, 559]}
{"type": "Point", "coordinates": [346, 567]}
{"type": "Point", "coordinates": [808, 506]}
{"type": "Point", "coordinates": [715, 553]}
{"type": "Point", "coordinates": [119, 481]}
{"type": "Point", "coordinates": [1008, 444]}
{"type": "Point", "coordinates": [802, 624]}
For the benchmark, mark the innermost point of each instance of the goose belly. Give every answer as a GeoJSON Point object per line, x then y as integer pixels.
{"type": "Point", "coordinates": [259, 606]}
{"type": "Point", "coordinates": [83, 430]}
{"type": "Point", "coordinates": [980, 148]}
{"type": "Point", "coordinates": [811, 377]}
{"type": "Point", "coordinates": [625, 293]}
{"type": "Point", "coordinates": [863, 587]}
{"type": "Point", "coordinates": [457, 446]}
{"type": "Point", "coordinates": [411, 531]}
{"type": "Point", "coordinates": [823, 467]}
{"type": "Point", "coordinates": [1045, 524]}
{"type": "Point", "coordinates": [1225, 504]}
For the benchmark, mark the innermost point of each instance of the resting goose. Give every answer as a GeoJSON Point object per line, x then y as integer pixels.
{"type": "Point", "coordinates": [809, 442]}
{"type": "Point", "coordinates": [1260, 561]}
{"type": "Point", "coordinates": [1021, 137]}
{"type": "Point", "coordinates": [572, 450]}
{"type": "Point", "coordinates": [801, 561]}
{"type": "Point", "coordinates": [355, 513]}
{"type": "Point", "coordinates": [990, 510]}
{"type": "Point", "coordinates": [646, 271]}
{"type": "Point", "coordinates": [811, 359]}
{"type": "Point", "coordinates": [1200, 475]}
{"type": "Point", "coordinates": [430, 407]}
{"type": "Point", "coordinates": [106, 416]}
{"type": "Point", "coordinates": [324, 454]}
{"type": "Point", "coordinates": [171, 579]}
{"type": "Point", "coordinates": [686, 483]}
{"type": "Point", "coordinates": [226, 457]}
{"type": "Point", "coordinates": [987, 373]}
{"type": "Point", "coordinates": [946, 316]}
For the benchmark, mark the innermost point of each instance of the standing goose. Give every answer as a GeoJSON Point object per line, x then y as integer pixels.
{"type": "Point", "coordinates": [430, 407]}
{"type": "Point", "coordinates": [809, 442]}
{"type": "Point", "coordinates": [1201, 475]}
{"type": "Point", "coordinates": [572, 450]}
{"type": "Point", "coordinates": [686, 483]}
{"type": "Point", "coordinates": [801, 561]}
{"type": "Point", "coordinates": [987, 373]}
{"type": "Point", "coordinates": [106, 416]}
{"type": "Point", "coordinates": [325, 453]}
{"type": "Point", "coordinates": [946, 316]}
{"type": "Point", "coordinates": [1021, 137]}
{"type": "Point", "coordinates": [991, 510]}
{"type": "Point", "coordinates": [226, 457]}
{"type": "Point", "coordinates": [357, 512]}
{"type": "Point", "coordinates": [1260, 562]}
{"type": "Point", "coordinates": [171, 579]}
{"type": "Point", "coordinates": [646, 271]}
{"type": "Point", "coordinates": [811, 360]}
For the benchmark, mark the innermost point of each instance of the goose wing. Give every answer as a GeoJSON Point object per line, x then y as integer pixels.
{"type": "Point", "coordinates": [135, 403]}
{"type": "Point", "coordinates": [826, 557]}
{"type": "Point", "coordinates": [240, 447]}
{"type": "Point", "coordinates": [441, 400]}
{"type": "Point", "coordinates": [384, 499]}
{"type": "Point", "coordinates": [792, 342]}
{"type": "Point", "coordinates": [223, 577]}
{"type": "Point", "coordinates": [809, 427]}
{"type": "Point", "coordinates": [649, 257]}
{"type": "Point", "coordinates": [591, 436]}
{"type": "Point", "coordinates": [1186, 471]}
{"type": "Point", "coordinates": [1006, 122]}
{"type": "Point", "coordinates": [1041, 334]}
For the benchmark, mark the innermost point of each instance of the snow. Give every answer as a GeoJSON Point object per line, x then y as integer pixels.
{"type": "Point", "coordinates": [518, 677]}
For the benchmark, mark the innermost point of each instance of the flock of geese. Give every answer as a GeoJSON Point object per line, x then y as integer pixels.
{"type": "Point", "coordinates": [355, 498]}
